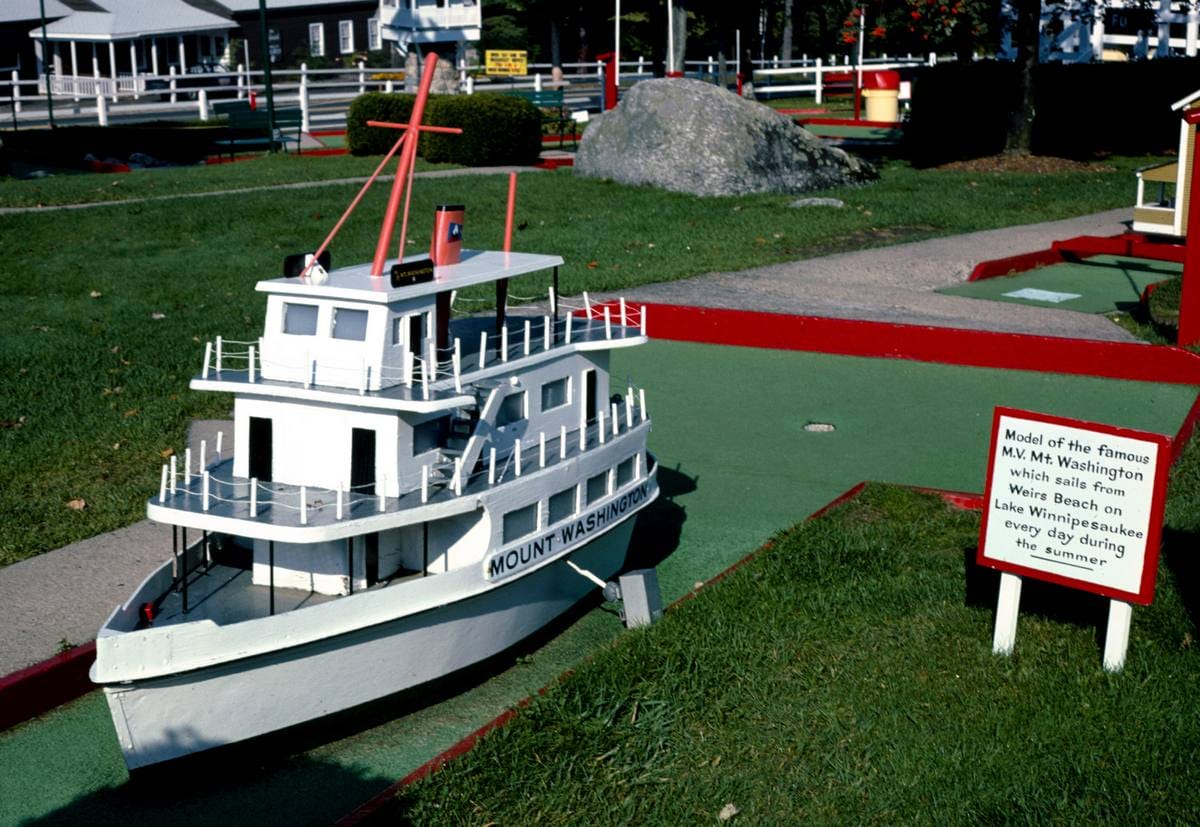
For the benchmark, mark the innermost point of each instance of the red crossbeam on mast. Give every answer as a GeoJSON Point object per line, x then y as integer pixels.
{"type": "Point", "coordinates": [404, 168]}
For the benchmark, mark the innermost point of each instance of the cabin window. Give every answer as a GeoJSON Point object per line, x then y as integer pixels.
{"type": "Point", "coordinates": [349, 324]}
{"type": "Point", "coordinates": [300, 319]}
{"type": "Point", "coordinates": [562, 505]}
{"type": "Point", "coordinates": [555, 394]}
{"type": "Point", "coordinates": [316, 39]}
{"type": "Point", "coordinates": [346, 36]}
{"type": "Point", "coordinates": [520, 522]}
{"type": "Point", "coordinates": [374, 42]}
{"type": "Point", "coordinates": [624, 472]}
{"type": "Point", "coordinates": [597, 487]}
{"type": "Point", "coordinates": [512, 409]}
{"type": "Point", "coordinates": [429, 435]}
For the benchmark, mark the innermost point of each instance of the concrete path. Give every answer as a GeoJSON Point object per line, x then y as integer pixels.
{"type": "Point", "coordinates": [67, 594]}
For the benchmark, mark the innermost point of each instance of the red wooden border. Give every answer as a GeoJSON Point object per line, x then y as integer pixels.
{"type": "Point", "coordinates": [1163, 453]}
{"type": "Point", "coordinates": [1125, 244]}
{"type": "Point", "coordinates": [45, 685]}
{"type": "Point", "coordinates": [851, 122]}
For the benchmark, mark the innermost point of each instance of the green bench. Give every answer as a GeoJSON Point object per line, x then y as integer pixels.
{"type": "Point", "coordinates": [247, 129]}
{"type": "Point", "coordinates": [554, 111]}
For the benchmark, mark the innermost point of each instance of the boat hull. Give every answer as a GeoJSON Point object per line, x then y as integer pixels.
{"type": "Point", "coordinates": [165, 718]}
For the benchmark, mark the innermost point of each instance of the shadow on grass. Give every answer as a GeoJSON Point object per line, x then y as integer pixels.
{"type": "Point", "coordinates": [658, 529]}
{"type": "Point", "coordinates": [1181, 559]}
{"type": "Point", "coordinates": [1047, 600]}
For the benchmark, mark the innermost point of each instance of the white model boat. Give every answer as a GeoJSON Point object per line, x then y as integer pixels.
{"type": "Point", "coordinates": [406, 496]}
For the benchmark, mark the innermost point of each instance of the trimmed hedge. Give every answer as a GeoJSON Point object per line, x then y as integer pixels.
{"type": "Point", "coordinates": [960, 110]}
{"type": "Point", "coordinates": [375, 106]}
{"type": "Point", "coordinates": [497, 129]}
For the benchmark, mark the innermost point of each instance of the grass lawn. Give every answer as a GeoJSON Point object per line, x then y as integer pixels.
{"type": "Point", "coordinates": [845, 675]}
{"type": "Point", "coordinates": [107, 310]}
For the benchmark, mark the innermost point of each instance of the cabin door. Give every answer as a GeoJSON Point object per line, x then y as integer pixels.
{"type": "Point", "coordinates": [372, 558]}
{"type": "Point", "coordinates": [261, 444]}
{"type": "Point", "coordinates": [589, 397]}
{"type": "Point", "coordinates": [362, 461]}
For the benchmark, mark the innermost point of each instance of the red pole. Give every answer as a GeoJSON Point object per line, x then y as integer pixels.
{"type": "Point", "coordinates": [508, 215]}
{"type": "Point", "coordinates": [610, 79]}
{"type": "Point", "coordinates": [1189, 301]}
{"type": "Point", "coordinates": [404, 167]}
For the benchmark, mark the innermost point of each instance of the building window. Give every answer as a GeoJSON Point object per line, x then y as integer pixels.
{"type": "Point", "coordinates": [520, 522]}
{"type": "Point", "coordinates": [300, 319]}
{"type": "Point", "coordinates": [562, 505]}
{"type": "Point", "coordinates": [512, 409]}
{"type": "Point", "coordinates": [555, 394]}
{"type": "Point", "coordinates": [597, 487]}
{"type": "Point", "coordinates": [374, 43]}
{"type": "Point", "coordinates": [349, 324]}
{"type": "Point", "coordinates": [316, 39]}
{"type": "Point", "coordinates": [346, 36]}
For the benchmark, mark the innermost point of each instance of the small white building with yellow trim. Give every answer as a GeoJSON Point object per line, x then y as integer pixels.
{"type": "Point", "coordinates": [1162, 189]}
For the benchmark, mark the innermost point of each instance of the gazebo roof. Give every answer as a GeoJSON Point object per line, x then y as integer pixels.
{"type": "Point", "coordinates": [129, 19]}
{"type": "Point", "coordinates": [1182, 102]}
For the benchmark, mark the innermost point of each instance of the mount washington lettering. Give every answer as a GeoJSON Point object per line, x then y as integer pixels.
{"type": "Point", "coordinates": [508, 562]}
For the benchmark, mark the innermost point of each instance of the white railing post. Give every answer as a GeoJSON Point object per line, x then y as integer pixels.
{"type": "Point", "coordinates": [470, 85]}
{"type": "Point", "coordinates": [587, 304]}
{"type": "Point", "coordinates": [492, 465]}
{"type": "Point", "coordinates": [303, 505]}
{"type": "Point", "coordinates": [583, 437]}
{"type": "Point", "coordinates": [624, 315]}
{"type": "Point", "coordinates": [600, 429]}
{"type": "Point", "coordinates": [203, 454]}
{"type": "Point", "coordinates": [202, 103]}
{"type": "Point", "coordinates": [254, 496]}
{"type": "Point", "coordinates": [250, 366]}
{"type": "Point", "coordinates": [16, 91]}
{"type": "Point", "coordinates": [642, 403]}
{"type": "Point", "coordinates": [457, 367]}
{"type": "Point", "coordinates": [537, 82]}
{"type": "Point", "coordinates": [220, 353]}
{"type": "Point", "coordinates": [569, 317]}
{"type": "Point", "coordinates": [241, 82]}
{"type": "Point", "coordinates": [504, 343]}
{"type": "Point", "coordinates": [607, 323]}
{"type": "Point", "coordinates": [562, 442]}
{"type": "Point", "coordinates": [388, 86]}
{"type": "Point", "coordinates": [819, 81]}
{"type": "Point", "coordinates": [542, 449]}
{"type": "Point", "coordinates": [553, 301]}
{"type": "Point", "coordinates": [220, 442]}
{"type": "Point", "coordinates": [171, 83]}
{"type": "Point", "coordinates": [629, 408]}
{"type": "Point", "coordinates": [482, 349]}
{"type": "Point", "coordinates": [101, 108]}
{"type": "Point", "coordinates": [458, 482]}
{"type": "Point", "coordinates": [616, 420]}
{"type": "Point", "coordinates": [528, 332]}
{"type": "Point", "coordinates": [305, 124]}
{"type": "Point", "coordinates": [205, 490]}
{"type": "Point", "coordinates": [362, 78]}
{"type": "Point", "coordinates": [187, 467]}
{"type": "Point", "coordinates": [162, 485]}
{"type": "Point", "coordinates": [424, 483]}
{"type": "Point", "coordinates": [174, 473]}
{"type": "Point", "coordinates": [641, 65]}
{"type": "Point", "coordinates": [207, 358]}
{"type": "Point", "coordinates": [643, 320]}
{"type": "Point", "coordinates": [546, 333]}
{"type": "Point", "coordinates": [517, 454]}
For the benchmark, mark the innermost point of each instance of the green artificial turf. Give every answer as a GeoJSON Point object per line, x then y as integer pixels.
{"type": "Point", "coordinates": [1103, 284]}
{"type": "Point", "coordinates": [736, 465]}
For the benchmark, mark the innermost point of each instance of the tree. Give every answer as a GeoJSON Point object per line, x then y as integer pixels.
{"type": "Point", "coordinates": [1027, 36]}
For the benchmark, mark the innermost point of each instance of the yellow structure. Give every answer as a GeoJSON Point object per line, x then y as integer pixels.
{"type": "Point", "coordinates": [1163, 189]}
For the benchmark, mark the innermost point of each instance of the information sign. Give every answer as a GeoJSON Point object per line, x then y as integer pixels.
{"type": "Point", "coordinates": [1075, 503]}
{"type": "Point", "coordinates": [506, 62]}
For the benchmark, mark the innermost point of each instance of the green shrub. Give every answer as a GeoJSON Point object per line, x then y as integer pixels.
{"type": "Point", "coordinates": [375, 106]}
{"type": "Point", "coordinates": [497, 129]}
{"type": "Point", "coordinates": [1164, 302]}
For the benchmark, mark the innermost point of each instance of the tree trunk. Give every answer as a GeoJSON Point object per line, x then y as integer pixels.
{"type": "Point", "coordinates": [1028, 37]}
{"type": "Point", "coordinates": [785, 48]}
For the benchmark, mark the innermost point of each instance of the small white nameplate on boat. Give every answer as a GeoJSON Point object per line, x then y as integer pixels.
{"type": "Point", "coordinates": [1033, 294]}
{"type": "Point", "coordinates": [511, 561]}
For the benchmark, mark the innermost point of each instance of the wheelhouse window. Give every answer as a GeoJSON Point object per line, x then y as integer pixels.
{"type": "Point", "coordinates": [430, 435]}
{"type": "Point", "coordinates": [316, 39]}
{"type": "Point", "coordinates": [562, 505]}
{"type": "Point", "coordinates": [349, 324]}
{"type": "Point", "coordinates": [555, 394]}
{"type": "Point", "coordinates": [346, 36]}
{"type": "Point", "coordinates": [597, 487]}
{"type": "Point", "coordinates": [512, 409]}
{"type": "Point", "coordinates": [520, 522]}
{"type": "Point", "coordinates": [300, 319]}
{"type": "Point", "coordinates": [625, 472]}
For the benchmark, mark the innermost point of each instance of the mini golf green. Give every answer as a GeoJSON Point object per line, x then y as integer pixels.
{"type": "Point", "coordinates": [736, 465]}
{"type": "Point", "coordinates": [1100, 284]}
{"type": "Point", "coordinates": [858, 133]}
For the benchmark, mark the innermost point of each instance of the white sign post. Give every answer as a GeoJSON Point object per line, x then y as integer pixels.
{"type": "Point", "coordinates": [1075, 503]}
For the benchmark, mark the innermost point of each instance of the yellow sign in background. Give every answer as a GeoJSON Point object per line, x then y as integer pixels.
{"type": "Point", "coordinates": [506, 61]}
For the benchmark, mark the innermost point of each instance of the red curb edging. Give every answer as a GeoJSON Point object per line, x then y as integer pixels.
{"type": "Point", "coordinates": [1125, 244]}
{"type": "Point", "coordinates": [851, 122]}
{"type": "Point", "coordinates": [43, 686]}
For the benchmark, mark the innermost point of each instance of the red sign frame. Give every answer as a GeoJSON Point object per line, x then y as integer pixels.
{"type": "Point", "coordinates": [1162, 444]}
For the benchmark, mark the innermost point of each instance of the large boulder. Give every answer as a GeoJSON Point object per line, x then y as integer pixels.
{"type": "Point", "coordinates": [688, 136]}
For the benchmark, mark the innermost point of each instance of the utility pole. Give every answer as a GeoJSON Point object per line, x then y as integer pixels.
{"type": "Point", "coordinates": [266, 59]}
{"type": "Point", "coordinates": [46, 65]}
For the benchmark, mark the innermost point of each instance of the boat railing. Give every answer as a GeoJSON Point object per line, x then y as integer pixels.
{"type": "Point", "coordinates": [437, 369]}
{"type": "Point", "coordinates": [210, 484]}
